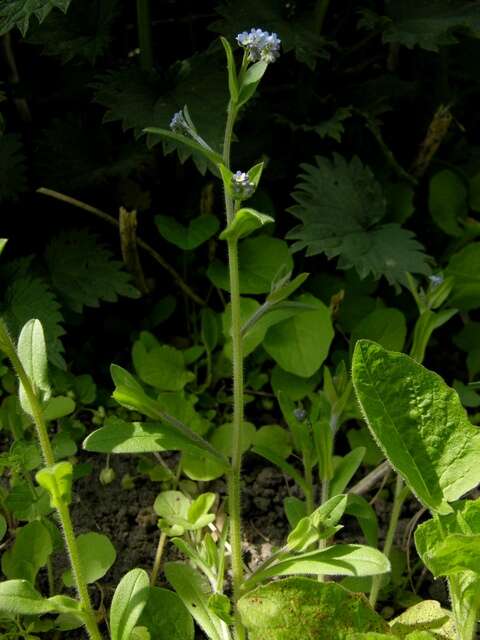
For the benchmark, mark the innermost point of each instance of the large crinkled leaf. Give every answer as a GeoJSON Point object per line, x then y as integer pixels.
{"type": "Point", "coordinates": [464, 266]}
{"type": "Point", "coordinates": [17, 13]}
{"type": "Point", "coordinates": [426, 615]}
{"type": "Point", "coordinates": [84, 32]}
{"type": "Point", "coordinates": [419, 423]}
{"type": "Point", "coordinates": [84, 271]}
{"type": "Point", "coordinates": [140, 100]}
{"type": "Point", "coordinates": [340, 206]}
{"type": "Point", "coordinates": [12, 167]}
{"type": "Point", "coordinates": [30, 297]}
{"type": "Point", "coordinates": [303, 608]}
{"type": "Point", "coordinates": [295, 26]}
{"type": "Point", "coordinates": [428, 24]}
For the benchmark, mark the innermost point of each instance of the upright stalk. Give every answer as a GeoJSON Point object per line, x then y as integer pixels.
{"type": "Point", "coordinates": [234, 479]}
{"type": "Point", "coordinates": [144, 25]}
{"type": "Point", "coordinates": [62, 508]}
{"type": "Point", "coordinates": [401, 492]}
{"type": "Point", "coordinates": [320, 12]}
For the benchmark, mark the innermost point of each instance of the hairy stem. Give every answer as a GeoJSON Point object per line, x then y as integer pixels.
{"type": "Point", "coordinates": [62, 508]}
{"type": "Point", "coordinates": [235, 474]}
{"type": "Point", "coordinates": [401, 492]}
{"type": "Point", "coordinates": [144, 26]}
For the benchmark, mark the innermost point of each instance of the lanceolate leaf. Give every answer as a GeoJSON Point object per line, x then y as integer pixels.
{"type": "Point", "coordinates": [419, 423]}
{"type": "Point", "coordinates": [340, 206]}
{"type": "Point", "coordinates": [128, 602]}
{"type": "Point", "coordinates": [337, 560]}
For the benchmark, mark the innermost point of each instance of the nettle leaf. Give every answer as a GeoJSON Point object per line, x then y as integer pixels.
{"type": "Point", "coordinates": [430, 24]}
{"type": "Point", "coordinates": [12, 166]}
{"type": "Point", "coordinates": [303, 608]}
{"type": "Point", "coordinates": [140, 100]}
{"type": "Point", "coordinates": [340, 205]}
{"type": "Point", "coordinates": [84, 271]}
{"type": "Point", "coordinates": [28, 297]}
{"type": "Point", "coordinates": [198, 231]}
{"type": "Point", "coordinates": [17, 13]}
{"type": "Point", "coordinates": [464, 267]}
{"type": "Point", "coordinates": [296, 32]}
{"type": "Point", "coordinates": [84, 32]}
{"type": "Point", "coordinates": [419, 423]}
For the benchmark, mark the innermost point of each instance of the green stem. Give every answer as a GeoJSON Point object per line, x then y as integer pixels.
{"type": "Point", "coordinates": [8, 346]}
{"type": "Point", "coordinates": [235, 474]}
{"type": "Point", "coordinates": [320, 13]}
{"type": "Point", "coordinates": [401, 492]}
{"type": "Point", "coordinates": [144, 25]}
{"type": "Point", "coordinates": [158, 559]}
{"type": "Point", "coordinates": [308, 475]}
{"type": "Point", "coordinates": [227, 143]}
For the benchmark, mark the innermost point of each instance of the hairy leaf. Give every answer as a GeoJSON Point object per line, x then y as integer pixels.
{"type": "Point", "coordinates": [419, 423]}
{"type": "Point", "coordinates": [128, 602]}
{"type": "Point", "coordinates": [428, 24]}
{"type": "Point", "coordinates": [303, 608]}
{"type": "Point", "coordinates": [17, 13]}
{"type": "Point", "coordinates": [340, 205]}
{"type": "Point", "coordinates": [84, 272]}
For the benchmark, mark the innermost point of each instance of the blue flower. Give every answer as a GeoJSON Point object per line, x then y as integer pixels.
{"type": "Point", "coordinates": [435, 281]}
{"type": "Point", "coordinates": [260, 45]}
{"type": "Point", "coordinates": [242, 188]}
{"type": "Point", "coordinates": [178, 124]}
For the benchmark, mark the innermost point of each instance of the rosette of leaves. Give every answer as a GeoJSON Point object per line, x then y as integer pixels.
{"type": "Point", "coordinates": [341, 207]}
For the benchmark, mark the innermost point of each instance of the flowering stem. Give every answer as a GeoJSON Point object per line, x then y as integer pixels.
{"type": "Point", "coordinates": [144, 26]}
{"type": "Point", "coordinates": [234, 478]}
{"type": "Point", "coordinates": [321, 9]}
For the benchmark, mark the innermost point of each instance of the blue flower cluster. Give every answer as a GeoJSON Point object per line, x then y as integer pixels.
{"type": "Point", "coordinates": [242, 188]}
{"type": "Point", "coordinates": [260, 45]}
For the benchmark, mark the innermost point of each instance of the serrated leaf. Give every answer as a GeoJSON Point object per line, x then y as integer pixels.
{"type": "Point", "coordinates": [419, 423]}
{"type": "Point", "coordinates": [198, 231]}
{"type": "Point", "coordinates": [84, 32]}
{"type": "Point", "coordinates": [309, 609]}
{"type": "Point", "coordinates": [12, 165]}
{"type": "Point", "coordinates": [431, 24]}
{"type": "Point", "coordinates": [296, 32]}
{"type": "Point", "coordinates": [26, 297]}
{"type": "Point", "coordinates": [84, 271]}
{"type": "Point", "coordinates": [17, 13]}
{"type": "Point", "coordinates": [340, 205]}
{"type": "Point", "coordinates": [142, 100]}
